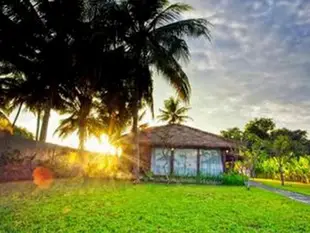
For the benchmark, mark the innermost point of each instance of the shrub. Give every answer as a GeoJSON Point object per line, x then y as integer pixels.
{"type": "Point", "coordinates": [234, 179]}
{"type": "Point", "coordinates": [205, 178]}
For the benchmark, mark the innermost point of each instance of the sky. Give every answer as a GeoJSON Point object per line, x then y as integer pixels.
{"type": "Point", "coordinates": [257, 65]}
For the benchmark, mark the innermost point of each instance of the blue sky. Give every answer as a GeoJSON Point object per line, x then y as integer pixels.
{"type": "Point", "coordinates": [257, 65]}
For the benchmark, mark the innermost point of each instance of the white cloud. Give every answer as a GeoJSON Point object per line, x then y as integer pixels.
{"type": "Point", "coordinates": [256, 65]}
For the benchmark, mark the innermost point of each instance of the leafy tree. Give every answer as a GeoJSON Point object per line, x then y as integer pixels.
{"type": "Point", "coordinates": [173, 112]}
{"type": "Point", "coordinates": [298, 138]}
{"type": "Point", "coordinates": [262, 127]}
{"type": "Point", "coordinates": [5, 125]}
{"type": "Point", "coordinates": [254, 150]}
{"type": "Point", "coordinates": [23, 132]}
{"type": "Point", "coordinates": [233, 133]}
{"type": "Point", "coordinates": [282, 151]}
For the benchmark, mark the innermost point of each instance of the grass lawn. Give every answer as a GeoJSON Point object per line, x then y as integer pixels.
{"type": "Point", "coordinates": [70, 206]}
{"type": "Point", "coordinates": [290, 186]}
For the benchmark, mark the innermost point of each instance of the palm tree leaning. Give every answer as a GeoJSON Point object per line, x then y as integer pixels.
{"type": "Point", "coordinates": [155, 37]}
{"type": "Point", "coordinates": [174, 112]}
{"type": "Point", "coordinates": [82, 118]}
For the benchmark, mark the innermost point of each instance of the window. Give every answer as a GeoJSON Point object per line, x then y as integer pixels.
{"type": "Point", "coordinates": [161, 161]}
{"type": "Point", "coordinates": [211, 162]}
{"type": "Point", "coordinates": [185, 162]}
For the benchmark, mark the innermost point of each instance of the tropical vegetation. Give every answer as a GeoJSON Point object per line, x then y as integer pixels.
{"type": "Point", "coordinates": [174, 112]}
{"type": "Point", "coordinates": [269, 152]}
{"type": "Point", "coordinates": [92, 60]}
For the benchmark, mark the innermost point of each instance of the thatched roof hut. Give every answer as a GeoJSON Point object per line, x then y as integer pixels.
{"type": "Point", "coordinates": [186, 146]}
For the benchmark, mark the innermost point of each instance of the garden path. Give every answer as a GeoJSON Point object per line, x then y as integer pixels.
{"type": "Point", "coordinates": [292, 195]}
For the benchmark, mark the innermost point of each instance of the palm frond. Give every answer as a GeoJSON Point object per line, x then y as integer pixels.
{"type": "Point", "coordinates": [171, 13]}
{"type": "Point", "coordinates": [173, 113]}
{"type": "Point", "coordinates": [172, 71]}
{"type": "Point", "coordinates": [94, 127]}
{"type": "Point", "coordinates": [67, 126]}
{"type": "Point", "coordinates": [182, 110]}
{"type": "Point", "coordinates": [188, 27]}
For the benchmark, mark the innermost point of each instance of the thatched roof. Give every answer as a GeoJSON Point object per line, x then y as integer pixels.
{"type": "Point", "coordinates": [180, 136]}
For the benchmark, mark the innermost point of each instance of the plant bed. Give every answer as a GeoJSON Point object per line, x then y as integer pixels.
{"type": "Point", "coordinates": [225, 179]}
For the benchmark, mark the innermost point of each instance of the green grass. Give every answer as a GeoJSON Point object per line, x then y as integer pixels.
{"type": "Point", "coordinates": [70, 206]}
{"type": "Point", "coordinates": [290, 186]}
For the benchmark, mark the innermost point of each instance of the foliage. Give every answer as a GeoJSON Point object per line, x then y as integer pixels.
{"type": "Point", "coordinates": [282, 151]}
{"type": "Point", "coordinates": [81, 119]}
{"type": "Point", "coordinates": [5, 125]}
{"type": "Point", "coordinates": [225, 179]}
{"type": "Point", "coordinates": [234, 179]}
{"type": "Point", "coordinates": [107, 52]}
{"type": "Point", "coordinates": [261, 127]}
{"type": "Point", "coordinates": [233, 133]}
{"type": "Point", "coordinates": [270, 152]}
{"type": "Point", "coordinates": [297, 169]}
{"type": "Point", "coordinates": [74, 206]}
{"type": "Point", "coordinates": [23, 132]}
{"type": "Point", "coordinates": [205, 178]}
{"type": "Point", "coordinates": [173, 112]}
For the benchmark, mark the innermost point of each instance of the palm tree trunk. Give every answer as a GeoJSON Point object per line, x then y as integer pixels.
{"type": "Point", "coordinates": [82, 154]}
{"type": "Point", "coordinates": [17, 114]}
{"type": "Point", "coordinates": [38, 124]}
{"type": "Point", "coordinates": [82, 139]}
{"type": "Point", "coordinates": [44, 127]}
{"type": "Point", "coordinates": [135, 132]}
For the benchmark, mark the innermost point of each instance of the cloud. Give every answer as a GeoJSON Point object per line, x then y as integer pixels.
{"type": "Point", "coordinates": [257, 64]}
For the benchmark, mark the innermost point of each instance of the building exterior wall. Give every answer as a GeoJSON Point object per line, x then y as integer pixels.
{"type": "Point", "coordinates": [186, 162]}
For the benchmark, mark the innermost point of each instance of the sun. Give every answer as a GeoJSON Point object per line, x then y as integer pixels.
{"type": "Point", "coordinates": [102, 146]}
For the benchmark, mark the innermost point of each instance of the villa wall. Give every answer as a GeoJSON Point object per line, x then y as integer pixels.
{"type": "Point", "coordinates": [19, 157]}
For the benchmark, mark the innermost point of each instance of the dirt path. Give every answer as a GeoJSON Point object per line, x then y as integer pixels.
{"type": "Point", "coordinates": [292, 195]}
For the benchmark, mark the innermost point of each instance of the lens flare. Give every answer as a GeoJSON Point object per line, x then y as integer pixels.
{"type": "Point", "coordinates": [42, 177]}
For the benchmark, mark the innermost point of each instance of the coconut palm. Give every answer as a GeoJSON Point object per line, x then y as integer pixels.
{"type": "Point", "coordinates": [83, 118]}
{"type": "Point", "coordinates": [173, 112]}
{"type": "Point", "coordinates": [155, 37]}
{"type": "Point", "coordinates": [19, 93]}
{"type": "Point", "coordinates": [39, 39]}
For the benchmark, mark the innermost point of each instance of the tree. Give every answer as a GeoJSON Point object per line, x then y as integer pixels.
{"type": "Point", "coordinates": [254, 150]}
{"type": "Point", "coordinates": [155, 37]}
{"type": "Point", "coordinates": [262, 127]}
{"type": "Point", "coordinates": [38, 39]}
{"type": "Point", "coordinates": [23, 132]}
{"type": "Point", "coordinates": [82, 117]}
{"type": "Point", "coordinates": [233, 133]}
{"type": "Point", "coordinates": [282, 151]}
{"type": "Point", "coordinates": [173, 112]}
{"type": "Point", "coordinates": [298, 138]}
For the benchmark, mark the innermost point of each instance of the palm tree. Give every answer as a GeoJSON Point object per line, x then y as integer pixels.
{"type": "Point", "coordinates": [18, 92]}
{"type": "Point", "coordinates": [83, 117]}
{"type": "Point", "coordinates": [39, 39]}
{"type": "Point", "coordinates": [173, 112]}
{"type": "Point", "coordinates": [155, 37]}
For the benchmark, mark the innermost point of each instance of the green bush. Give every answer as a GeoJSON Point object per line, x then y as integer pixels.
{"type": "Point", "coordinates": [234, 179]}
{"type": "Point", "coordinates": [205, 178]}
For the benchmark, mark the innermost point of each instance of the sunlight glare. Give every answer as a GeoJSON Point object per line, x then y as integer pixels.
{"type": "Point", "coordinates": [102, 146]}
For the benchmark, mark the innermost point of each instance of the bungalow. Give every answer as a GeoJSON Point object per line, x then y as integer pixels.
{"type": "Point", "coordinates": [183, 150]}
